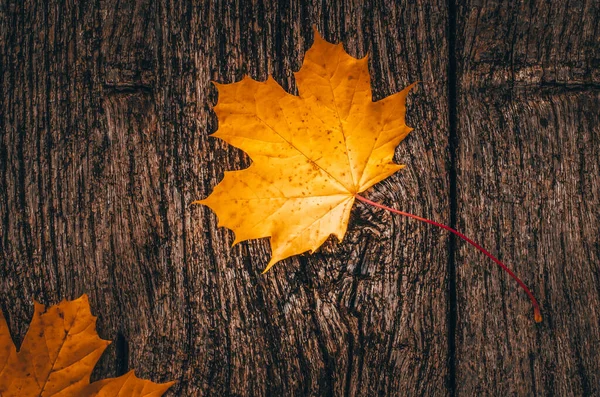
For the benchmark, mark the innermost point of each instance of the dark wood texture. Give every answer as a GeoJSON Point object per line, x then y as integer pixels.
{"type": "Point", "coordinates": [105, 111]}
{"type": "Point", "coordinates": [528, 180]}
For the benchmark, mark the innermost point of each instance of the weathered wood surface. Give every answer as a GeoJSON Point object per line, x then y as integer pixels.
{"type": "Point", "coordinates": [528, 182]}
{"type": "Point", "coordinates": [105, 111]}
{"type": "Point", "coordinates": [104, 120]}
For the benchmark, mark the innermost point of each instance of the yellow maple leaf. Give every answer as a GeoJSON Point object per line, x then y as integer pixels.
{"type": "Point", "coordinates": [57, 357]}
{"type": "Point", "coordinates": [311, 153]}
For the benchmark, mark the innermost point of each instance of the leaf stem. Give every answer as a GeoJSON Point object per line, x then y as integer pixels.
{"type": "Point", "coordinates": [536, 307]}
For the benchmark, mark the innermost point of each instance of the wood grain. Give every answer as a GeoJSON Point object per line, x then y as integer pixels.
{"type": "Point", "coordinates": [528, 172]}
{"type": "Point", "coordinates": [105, 112]}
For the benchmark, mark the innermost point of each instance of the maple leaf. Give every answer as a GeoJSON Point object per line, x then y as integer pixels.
{"type": "Point", "coordinates": [58, 355]}
{"type": "Point", "coordinates": [311, 153]}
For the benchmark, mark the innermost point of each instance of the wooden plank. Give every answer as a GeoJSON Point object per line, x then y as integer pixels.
{"type": "Point", "coordinates": [528, 176]}
{"type": "Point", "coordinates": [105, 115]}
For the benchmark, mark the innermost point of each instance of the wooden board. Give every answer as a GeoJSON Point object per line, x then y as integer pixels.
{"type": "Point", "coordinates": [528, 174]}
{"type": "Point", "coordinates": [105, 111]}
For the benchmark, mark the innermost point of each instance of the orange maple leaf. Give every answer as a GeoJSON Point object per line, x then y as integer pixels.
{"type": "Point", "coordinates": [311, 153]}
{"type": "Point", "coordinates": [58, 355]}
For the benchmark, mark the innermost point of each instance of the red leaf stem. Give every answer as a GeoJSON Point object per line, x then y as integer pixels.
{"type": "Point", "coordinates": [536, 307]}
